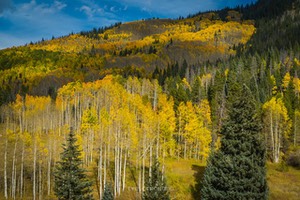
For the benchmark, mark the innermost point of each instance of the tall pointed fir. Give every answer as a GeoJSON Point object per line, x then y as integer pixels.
{"type": "Point", "coordinates": [155, 186]}
{"type": "Point", "coordinates": [108, 193]}
{"type": "Point", "coordinates": [70, 178]}
{"type": "Point", "coordinates": [237, 170]}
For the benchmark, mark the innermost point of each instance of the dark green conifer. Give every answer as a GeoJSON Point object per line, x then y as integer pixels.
{"type": "Point", "coordinates": [155, 186]}
{"type": "Point", "coordinates": [237, 170]}
{"type": "Point", "coordinates": [197, 91]}
{"type": "Point", "coordinates": [108, 193]}
{"type": "Point", "coordinates": [70, 178]}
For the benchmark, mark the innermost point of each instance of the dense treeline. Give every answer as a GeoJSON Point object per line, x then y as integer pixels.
{"type": "Point", "coordinates": [178, 120]}
{"type": "Point", "coordinates": [96, 31]}
{"type": "Point", "coordinates": [119, 127]}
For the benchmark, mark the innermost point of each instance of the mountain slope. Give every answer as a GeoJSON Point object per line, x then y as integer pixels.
{"type": "Point", "coordinates": [139, 46]}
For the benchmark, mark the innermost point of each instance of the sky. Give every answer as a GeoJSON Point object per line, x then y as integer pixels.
{"type": "Point", "coordinates": [23, 21]}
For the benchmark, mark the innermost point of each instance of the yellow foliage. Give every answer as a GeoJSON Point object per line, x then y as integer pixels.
{"type": "Point", "coordinates": [205, 112]}
{"type": "Point", "coordinates": [195, 125]}
{"type": "Point", "coordinates": [276, 108]}
{"type": "Point", "coordinates": [274, 88]}
{"type": "Point", "coordinates": [89, 119]}
{"type": "Point", "coordinates": [277, 126]}
{"type": "Point", "coordinates": [296, 82]}
{"type": "Point", "coordinates": [26, 138]}
{"type": "Point", "coordinates": [74, 43]}
{"type": "Point", "coordinates": [18, 104]}
{"type": "Point", "coordinates": [167, 122]}
{"type": "Point", "coordinates": [286, 80]}
{"type": "Point", "coordinates": [206, 80]}
{"type": "Point", "coordinates": [226, 72]}
{"type": "Point", "coordinates": [36, 104]}
{"type": "Point", "coordinates": [297, 62]}
{"type": "Point", "coordinates": [186, 84]}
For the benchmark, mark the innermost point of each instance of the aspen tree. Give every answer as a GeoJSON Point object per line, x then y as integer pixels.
{"type": "Point", "coordinates": [277, 126]}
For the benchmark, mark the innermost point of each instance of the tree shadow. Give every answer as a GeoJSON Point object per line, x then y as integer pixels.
{"type": "Point", "coordinates": [198, 176]}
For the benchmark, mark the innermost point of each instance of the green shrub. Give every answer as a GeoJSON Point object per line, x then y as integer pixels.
{"type": "Point", "coordinates": [294, 159]}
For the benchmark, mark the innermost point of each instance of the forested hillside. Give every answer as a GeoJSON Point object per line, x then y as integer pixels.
{"type": "Point", "coordinates": [156, 90]}
{"type": "Point", "coordinates": [134, 48]}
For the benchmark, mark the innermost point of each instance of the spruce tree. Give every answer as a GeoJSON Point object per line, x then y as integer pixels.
{"type": "Point", "coordinates": [70, 178]}
{"type": "Point", "coordinates": [108, 193]}
{"type": "Point", "coordinates": [155, 186]}
{"type": "Point", "coordinates": [237, 170]}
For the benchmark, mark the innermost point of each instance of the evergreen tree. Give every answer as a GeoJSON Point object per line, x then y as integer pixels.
{"type": "Point", "coordinates": [108, 193]}
{"type": "Point", "coordinates": [197, 91]}
{"type": "Point", "coordinates": [155, 186]}
{"type": "Point", "coordinates": [70, 179]}
{"type": "Point", "coordinates": [237, 169]}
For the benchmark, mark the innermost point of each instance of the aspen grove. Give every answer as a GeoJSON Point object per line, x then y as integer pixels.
{"type": "Point", "coordinates": [120, 125]}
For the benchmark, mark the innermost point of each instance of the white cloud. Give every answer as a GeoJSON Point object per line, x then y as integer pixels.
{"type": "Point", "coordinates": [59, 5]}
{"type": "Point", "coordinates": [87, 10]}
{"type": "Point", "coordinates": [34, 9]}
{"type": "Point", "coordinates": [94, 11]}
{"type": "Point", "coordinates": [32, 22]}
{"type": "Point", "coordinates": [114, 9]}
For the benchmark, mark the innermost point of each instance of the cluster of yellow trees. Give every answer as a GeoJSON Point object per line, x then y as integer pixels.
{"type": "Point", "coordinates": [201, 31]}
{"type": "Point", "coordinates": [279, 126]}
{"type": "Point", "coordinates": [121, 125]}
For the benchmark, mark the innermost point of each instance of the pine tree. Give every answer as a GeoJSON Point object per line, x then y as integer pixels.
{"type": "Point", "coordinates": [155, 186]}
{"type": "Point", "coordinates": [197, 91]}
{"type": "Point", "coordinates": [70, 179]}
{"type": "Point", "coordinates": [108, 193]}
{"type": "Point", "coordinates": [237, 169]}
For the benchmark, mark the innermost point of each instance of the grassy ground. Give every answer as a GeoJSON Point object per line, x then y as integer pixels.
{"type": "Point", "coordinates": [183, 178]}
{"type": "Point", "coordinates": [283, 183]}
{"type": "Point", "coordinates": [182, 175]}
{"type": "Point", "coordinates": [184, 181]}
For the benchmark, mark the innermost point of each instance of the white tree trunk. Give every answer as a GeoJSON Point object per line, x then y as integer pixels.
{"type": "Point", "coordinates": [105, 166]}
{"type": "Point", "coordinates": [49, 172]}
{"type": "Point", "coordinates": [34, 171]}
{"type": "Point", "coordinates": [13, 177]}
{"type": "Point", "coordinates": [100, 171]}
{"type": "Point", "coordinates": [22, 171]}
{"type": "Point", "coordinates": [272, 136]}
{"type": "Point", "coordinates": [138, 161]}
{"type": "Point", "coordinates": [40, 188]}
{"type": "Point", "coordinates": [150, 162]}
{"type": "Point", "coordinates": [124, 170]}
{"type": "Point", "coordinates": [120, 169]}
{"type": "Point", "coordinates": [5, 170]}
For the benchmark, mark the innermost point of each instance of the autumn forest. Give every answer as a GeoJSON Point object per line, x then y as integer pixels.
{"type": "Point", "coordinates": [178, 99]}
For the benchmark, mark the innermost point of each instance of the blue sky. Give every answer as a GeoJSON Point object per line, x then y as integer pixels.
{"type": "Point", "coordinates": [23, 21]}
